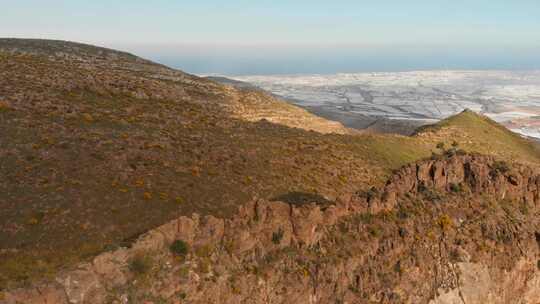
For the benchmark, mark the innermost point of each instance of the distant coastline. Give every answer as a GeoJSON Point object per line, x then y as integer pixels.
{"type": "Point", "coordinates": [399, 102]}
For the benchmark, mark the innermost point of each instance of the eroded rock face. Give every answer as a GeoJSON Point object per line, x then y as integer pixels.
{"type": "Point", "coordinates": [83, 285]}
{"type": "Point", "coordinates": [461, 229]}
{"type": "Point", "coordinates": [478, 284]}
{"type": "Point", "coordinates": [481, 174]}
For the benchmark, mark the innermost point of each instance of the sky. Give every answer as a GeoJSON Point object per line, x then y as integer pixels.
{"type": "Point", "coordinates": [294, 36]}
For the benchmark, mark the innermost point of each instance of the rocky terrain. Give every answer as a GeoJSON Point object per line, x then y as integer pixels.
{"type": "Point", "coordinates": [455, 229]}
{"type": "Point", "coordinates": [125, 181]}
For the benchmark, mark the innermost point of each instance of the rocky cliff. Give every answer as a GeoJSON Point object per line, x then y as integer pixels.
{"type": "Point", "coordinates": [453, 229]}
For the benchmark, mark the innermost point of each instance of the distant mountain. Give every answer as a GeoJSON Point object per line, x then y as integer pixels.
{"type": "Point", "coordinates": [122, 180]}
{"type": "Point", "coordinates": [232, 82]}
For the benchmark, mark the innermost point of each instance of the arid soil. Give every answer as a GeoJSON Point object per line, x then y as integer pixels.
{"type": "Point", "coordinates": [106, 159]}
{"type": "Point", "coordinates": [457, 229]}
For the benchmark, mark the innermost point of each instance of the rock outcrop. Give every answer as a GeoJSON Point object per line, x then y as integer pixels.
{"type": "Point", "coordinates": [459, 229]}
{"type": "Point", "coordinates": [481, 174]}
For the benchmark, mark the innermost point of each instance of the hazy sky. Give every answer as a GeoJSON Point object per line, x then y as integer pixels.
{"type": "Point", "coordinates": [294, 36]}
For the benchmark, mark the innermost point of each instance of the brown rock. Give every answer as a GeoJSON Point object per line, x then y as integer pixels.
{"type": "Point", "coordinates": [306, 221]}
{"type": "Point", "coordinates": [150, 241]}
{"type": "Point", "coordinates": [43, 294]}
{"type": "Point", "coordinates": [210, 231]}
{"type": "Point", "coordinates": [111, 266]}
{"type": "Point", "coordinates": [82, 286]}
{"type": "Point", "coordinates": [186, 228]}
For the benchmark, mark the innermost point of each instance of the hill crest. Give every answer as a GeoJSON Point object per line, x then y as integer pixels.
{"type": "Point", "coordinates": [94, 154]}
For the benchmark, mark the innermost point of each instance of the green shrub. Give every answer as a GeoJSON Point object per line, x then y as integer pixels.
{"type": "Point", "coordinates": [370, 194]}
{"type": "Point", "coordinates": [4, 107]}
{"type": "Point", "coordinates": [179, 248]}
{"type": "Point", "coordinates": [524, 208]}
{"type": "Point", "coordinates": [461, 152]}
{"type": "Point", "coordinates": [501, 166]}
{"type": "Point", "coordinates": [374, 231]}
{"type": "Point", "coordinates": [182, 295]}
{"type": "Point", "coordinates": [204, 265]}
{"type": "Point", "coordinates": [141, 264]}
{"type": "Point", "coordinates": [366, 218]}
{"type": "Point", "coordinates": [429, 194]}
{"type": "Point", "coordinates": [398, 268]}
{"type": "Point", "coordinates": [456, 188]}
{"type": "Point", "coordinates": [204, 251]}
{"type": "Point", "coordinates": [277, 236]}
{"type": "Point", "coordinates": [402, 213]}
{"type": "Point", "coordinates": [450, 152]}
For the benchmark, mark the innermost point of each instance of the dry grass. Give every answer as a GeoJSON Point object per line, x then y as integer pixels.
{"type": "Point", "coordinates": [95, 152]}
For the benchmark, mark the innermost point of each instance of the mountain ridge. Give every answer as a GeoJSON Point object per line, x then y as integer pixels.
{"type": "Point", "coordinates": [95, 153]}
{"type": "Point", "coordinates": [264, 232]}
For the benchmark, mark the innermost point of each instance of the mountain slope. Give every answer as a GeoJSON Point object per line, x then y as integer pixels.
{"type": "Point", "coordinates": [94, 152]}
{"type": "Point", "coordinates": [99, 146]}
{"type": "Point", "coordinates": [411, 241]}
{"type": "Point", "coordinates": [481, 134]}
{"type": "Point", "coordinates": [102, 70]}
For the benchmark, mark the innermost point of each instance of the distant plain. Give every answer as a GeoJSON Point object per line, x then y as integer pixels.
{"type": "Point", "coordinates": [401, 101]}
